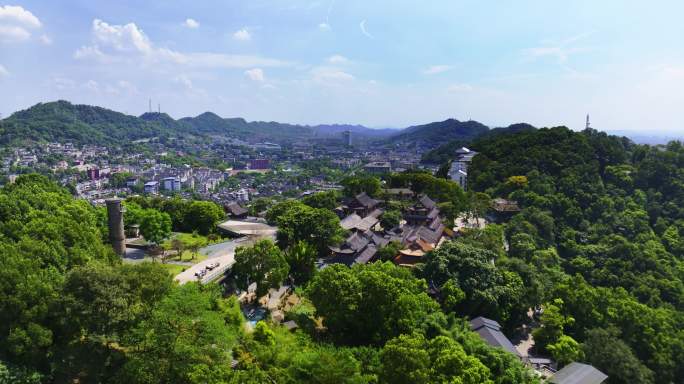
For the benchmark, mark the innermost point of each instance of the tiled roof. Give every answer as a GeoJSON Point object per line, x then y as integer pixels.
{"type": "Point", "coordinates": [578, 373]}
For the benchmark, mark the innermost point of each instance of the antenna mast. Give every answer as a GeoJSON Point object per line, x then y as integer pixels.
{"type": "Point", "coordinates": [588, 125]}
{"type": "Point", "coordinates": [150, 105]}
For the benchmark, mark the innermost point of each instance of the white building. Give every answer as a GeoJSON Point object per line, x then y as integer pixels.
{"type": "Point", "coordinates": [459, 167]}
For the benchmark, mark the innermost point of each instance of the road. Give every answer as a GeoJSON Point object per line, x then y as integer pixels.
{"type": "Point", "coordinates": [223, 253]}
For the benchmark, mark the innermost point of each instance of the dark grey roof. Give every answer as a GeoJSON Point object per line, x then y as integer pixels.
{"type": "Point", "coordinates": [427, 202]}
{"type": "Point", "coordinates": [490, 331]}
{"type": "Point", "coordinates": [578, 373]}
{"type": "Point", "coordinates": [235, 209]}
{"type": "Point", "coordinates": [350, 221]}
{"type": "Point", "coordinates": [367, 255]}
{"type": "Point", "coordinates": [480, 322]}
{"type": "Point", "coordinates": [366, 201]}
{"type": "Point", "coordinates": [356, 241]}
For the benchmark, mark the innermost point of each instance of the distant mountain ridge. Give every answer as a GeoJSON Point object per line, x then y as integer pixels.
{"type": "Point", "coordinates": [434, 134]}
{"type": "Point", "coordinates": [85, 124]}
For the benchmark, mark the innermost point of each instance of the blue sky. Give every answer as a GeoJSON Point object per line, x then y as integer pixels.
{"type": "Point", "coordinates": [378, 63]}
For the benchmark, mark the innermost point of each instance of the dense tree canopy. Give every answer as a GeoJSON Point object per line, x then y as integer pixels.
{"type": "Point", "coordinates": [599, 229]}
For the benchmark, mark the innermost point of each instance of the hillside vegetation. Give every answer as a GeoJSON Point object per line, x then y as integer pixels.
{"type": "Point", "coordinates": [600, 241]}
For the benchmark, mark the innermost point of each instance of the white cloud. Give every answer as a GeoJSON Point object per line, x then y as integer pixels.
{"type": "Point", "coordinates": [324, 27]}
{"type": "Point", "coordinates": [17, 15]}
{"type": "Point", "coordinates": [90, 52]}
{"type": "Point", "coordinates": [255, 74]}
{"type": "Point", "coordinates": [362, 26]}
{"type": "Point", "coordinates": [121, 37]}
{"type": "Point", "coordinates": [3, 71]}
{"type": "Point", "coordinates": [191, 23]}
{"type": "Point", "coordinates": [184, 80]}
{"type": "Point", "coordinates": [338, 59]}
{"type": "Point", "coordinates": [16, 23]}
{"type": "Point", "coordinates": [328, 75]}
{"type": "Point", "coordinates": [435, 69]}
{"type": "Point", "coordinates": [242, 35]}
{"type": "Point", "coordinates": [561, 51]}
{"type": "Point", "coordinates": [13, 34]}
{"type": "Point", "coordinates": [127, 42]}
{"type": "Point", "coordinates": [45, 39]}
{"type": "Point", "coordinates": [92, 85]}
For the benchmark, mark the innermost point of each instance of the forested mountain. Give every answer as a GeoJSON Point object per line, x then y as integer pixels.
{"type": "Point", "coordinates": [446, 152]}
{"type": "Point", "coordinates": [600, 240]}
{"type": "Point", "coordinates": [63, 121]}
{"type": "Point", "coordinates": [84, 124]}
{"type": "Point", "coordinates": [434, 134]}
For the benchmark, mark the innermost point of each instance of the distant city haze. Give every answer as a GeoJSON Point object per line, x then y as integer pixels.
{"type": "Point", "coordinates": [383, 64]}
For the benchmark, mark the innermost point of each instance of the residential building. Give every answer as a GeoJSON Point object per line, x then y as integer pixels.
{"type": "Point", "coordinates": [152, 187]}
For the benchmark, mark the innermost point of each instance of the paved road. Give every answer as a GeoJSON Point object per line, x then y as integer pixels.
{"type": "Point", "coordinates": [222, 253]}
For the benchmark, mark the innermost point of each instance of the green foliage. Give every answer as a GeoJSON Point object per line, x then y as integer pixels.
{"type": "Point", "coordinates": [413, 359]}
{"type": "Point", "coordinates": [80, 124]}
{"type": "Point", "coordinates": [263, 264]}
{"type": "Point", "coordinates": [202, 216]}
{"type": "Point", "coordinates": [186, 215]}
{"type": "Point", "coordinates": [155, 226]}
{"type": "Point", "coordinates": [489, 291]}
{"type": "Point", "coordinates": [299, 222]}
{"type": "Point", "coordinates": [326, 200]}
{"type": "Point", "coordinates": [438, 189]}
{"type": "Point", "coordinates": [301, 258]}
{"type": "Point", "coordinates": [389, 251]}
{"type": "Point", "coordinates": [184, 340]}
{"type": "Point", "coordinates": [10, 374]}
{"type": "Point", "coordinates": [353, 185]}
{"type": "Point", "coordinates": [565, 350]}
{"type": "Point", "coordinates": [369, 304]}
{"type": "Point", "coordinates": [391, 219]}
{"type": "Point", "coordinates": [553, 323]}
{"type": "Point", "coordinates": [604, 350]}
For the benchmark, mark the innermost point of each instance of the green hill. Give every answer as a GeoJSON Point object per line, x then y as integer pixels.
{"type": "Point", "coordinates": [447, 151]}
{"type": "Point", "coordinates": [63, 121]}
{"type": "Point", "coordinates": [434, 134]}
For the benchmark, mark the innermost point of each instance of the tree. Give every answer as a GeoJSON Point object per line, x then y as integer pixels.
{"type": "Point", "coordinates": [443, 171]}
{"type": "Point", "coordinates": [155, 226]}
{"type": "Point", "coordinates": [413, 359]}
{"type": "Point", "coordinates": [178, 245]}
{"type": "Point", "coordinates": [326, 200]}
{"type": "Point", "coordinates": [353, 185]}
{"type": "Point", "coordinates": [302, 260]}
{"type": "Point", "coordinates": [263, 264]}
{"type": "Point", "coordinates": [478, 205]}
{"type": "Point", "coordinates": [298, 222]}
{"type": "Point", "coordinates": [604, 350]}
{"type": "Point", "coordinates": [390, 219]}
{"type": "Point", "coordinates": [489, 291]}
{"type": "Point", "coordinates": [369, 303]}
{"type": "Point", "coordinates": [553, 323]}
{"type": "Point", "coordinates": [202, 216]}
{"type": "Point", "coordinates": [565, 350]}
{"type": "Point", "coordinates": [389, 251]}
{"type": "Point", "coordinates": [185, 340]}
{"type": "Point", "coordinates": [405, 359]}
{"type": "Point", "coordinates": [193, 242]}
